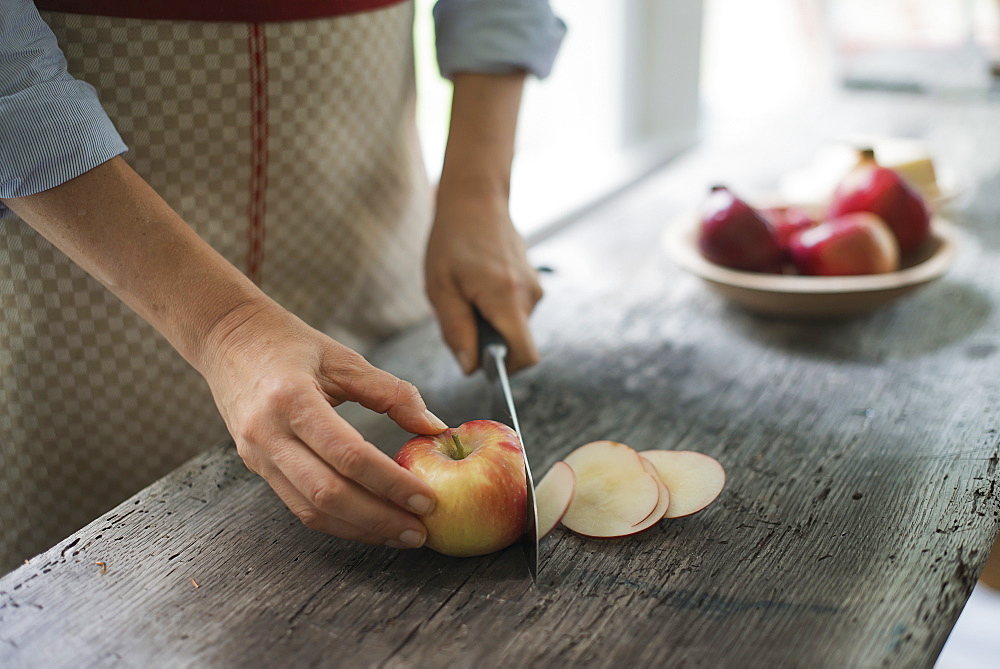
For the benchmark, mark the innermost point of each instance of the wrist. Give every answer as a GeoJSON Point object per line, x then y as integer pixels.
{"type": "Point", "coordinates": [233, 330]}
{"type": "Point", "coordinates": [481, 183]}
{"type": "Point", "coordinates": [481, 135]}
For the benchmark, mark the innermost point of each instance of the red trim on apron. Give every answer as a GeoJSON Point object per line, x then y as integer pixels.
{"type": "Point", "coordinates": [257, 51]}
{"type": "Point", "coordinates": [244, 11]}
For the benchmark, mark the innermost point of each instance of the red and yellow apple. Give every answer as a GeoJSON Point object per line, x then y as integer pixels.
{"type": "Point", "coordinates": [477, 474]}
{"type": "Point", "coordinates": [858, 243]}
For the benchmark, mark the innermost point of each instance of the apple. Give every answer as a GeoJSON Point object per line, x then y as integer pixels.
{"type": "Point", "coordinates": [786, 221]}
{"type": "Point", "coordinates": [662, 503]}
{"type": "Point", "coordinates": [553, 495]}
{"type": "Point", "coordinates": [733, 234]}
{"type": "Point", "coordinates": [870, 187]}
{"type": "Point", "coordinates": [477, 474]}
{"type": "Point", "coordinates": [858, 243]}
{"type": "Point", "coordinates": [616, 494]}
{"type": "Point", "coordinates": [603, 489]}
{"type": "Point", "coordinates": [693, 479]}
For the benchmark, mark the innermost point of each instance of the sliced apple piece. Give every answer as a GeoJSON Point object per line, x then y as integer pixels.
{"type": "Point", "coordinates": [662, 504]}
{"type": "Point", "coordinates": [693, 479]}
{"type": "Point", "coordinates": [553, 495]}
{"type": "Point", "coordinates": [614, 492]}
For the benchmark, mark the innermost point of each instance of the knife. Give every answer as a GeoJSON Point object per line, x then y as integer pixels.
{"type": "Point", "coordinates": [493, 361]}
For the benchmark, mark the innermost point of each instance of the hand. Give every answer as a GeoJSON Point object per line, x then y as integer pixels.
{"type": "Point", "coordinates": [475, 258]}
{"type": "Point", "coordinates": [276, 381]}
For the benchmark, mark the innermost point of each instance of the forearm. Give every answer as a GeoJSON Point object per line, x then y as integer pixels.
{"type": "Point", "coordinates": [475, 258]}
{"type": "Point", "coordinates": [112, 224]}
{"type": "Point", "coordinates": [481, 137]}
{"type": "Point", "coordinates": [274, 378]}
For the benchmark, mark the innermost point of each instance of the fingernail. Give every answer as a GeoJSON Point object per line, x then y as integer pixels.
{"type": "Point", "coordinates": [420, 504]}
{"type": "Point", "coordinates": [412, 538]}
{"type": "Point", "coordinates": [435, 421]}
{"type": "Point", "coordinates": [465, 360]}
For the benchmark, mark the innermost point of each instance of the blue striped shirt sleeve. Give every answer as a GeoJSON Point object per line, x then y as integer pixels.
{"type": "Point", "coordinates": [52, 126]}
{"type": "Point", "coordinates": [496, 36]}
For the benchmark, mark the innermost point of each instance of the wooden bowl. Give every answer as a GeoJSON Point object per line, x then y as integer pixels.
{"type": "Point", "coordinates": [812, 297]}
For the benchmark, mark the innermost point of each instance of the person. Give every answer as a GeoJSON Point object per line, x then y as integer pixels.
{"type": "Point", "coordinates": [264, 224]}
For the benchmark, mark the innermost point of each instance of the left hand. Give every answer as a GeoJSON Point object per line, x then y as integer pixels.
{"type": "Point", "coordinates": [475, 257]}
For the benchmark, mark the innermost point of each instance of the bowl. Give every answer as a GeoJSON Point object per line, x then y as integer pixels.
{"type": "Point", "coordinates": [812, 297]}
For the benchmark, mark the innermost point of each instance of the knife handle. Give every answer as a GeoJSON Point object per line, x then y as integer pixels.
{"type": "Point", "coordinates": [486, 334]}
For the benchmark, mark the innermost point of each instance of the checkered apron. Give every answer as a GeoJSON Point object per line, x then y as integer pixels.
{"type": "Point", "coordinates": [291, 148]}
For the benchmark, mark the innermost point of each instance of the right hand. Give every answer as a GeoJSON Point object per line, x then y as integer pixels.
{"type": "Point", "coordinates": [276, 381]}
{"type": "Point", "coordinates": [476, 260]}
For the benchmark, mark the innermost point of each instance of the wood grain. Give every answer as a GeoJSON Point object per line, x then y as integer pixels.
{"type": "Point", "coordinates": [860, 506]}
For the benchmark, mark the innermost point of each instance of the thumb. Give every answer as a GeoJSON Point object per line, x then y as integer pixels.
{"type": "Point", "coordinates": [380, 391]}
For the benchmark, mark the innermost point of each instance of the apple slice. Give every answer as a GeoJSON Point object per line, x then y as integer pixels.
{"type": "Point", "coordinates": [553, 495]}
{"type": "Point", "coordinates": [662, 504]}
{"type": "Point", "coordinates": [693, 479]}
{"type": "Point", "coordinates": [614, 492]}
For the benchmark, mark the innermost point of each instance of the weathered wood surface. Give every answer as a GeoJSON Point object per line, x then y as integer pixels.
{"type": "Point", "coordinates": [861, 501]}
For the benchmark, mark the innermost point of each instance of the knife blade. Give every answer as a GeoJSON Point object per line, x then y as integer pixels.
{"type": "Point", "coordinates": [493, 361]}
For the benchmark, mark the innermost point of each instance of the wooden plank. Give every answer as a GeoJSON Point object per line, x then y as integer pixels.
{"type": "Point", "coordinates": [861, 501]}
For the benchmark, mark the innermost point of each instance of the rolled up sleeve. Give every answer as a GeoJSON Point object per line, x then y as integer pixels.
{"type": "Point", "coordinates": [52, 126]}
{"type": "Point", "coordinates": [496, 36]}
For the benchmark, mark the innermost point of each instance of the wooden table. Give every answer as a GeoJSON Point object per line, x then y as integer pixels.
{"type": "Point", "coordinates": [862, 460]}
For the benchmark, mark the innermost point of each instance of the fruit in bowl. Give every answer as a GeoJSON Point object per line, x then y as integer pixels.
{"type": "Point", "coordinates": [832, 267]}
{"type": "Point", "coordinates": [734, 234]}
{"type": "Point", "coordinates": [874, 223]}
{"type": "Point", "coordinates": [787, 221]}
{"type": "Point", "coordinates": [858, 243]}
{"type": "Point", "coordinates": [872, 188]}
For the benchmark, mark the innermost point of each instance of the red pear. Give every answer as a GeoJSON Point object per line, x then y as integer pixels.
{"type": "Point", "coordinates": [881, 191]}
{"type": "Point", "coordinates": [733, 234]}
